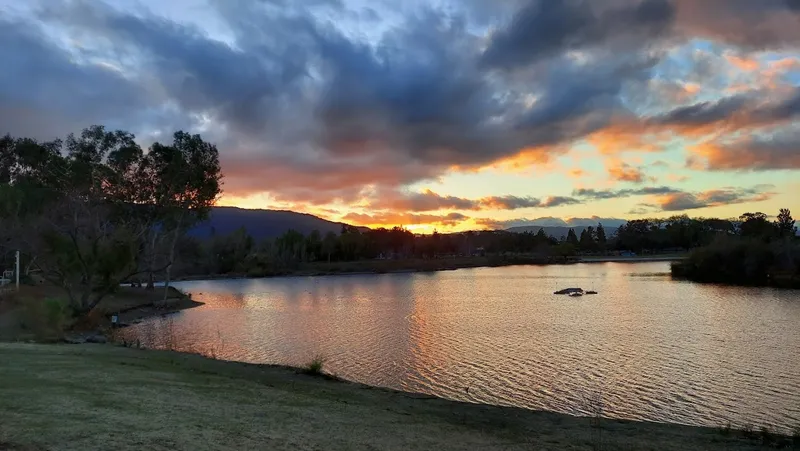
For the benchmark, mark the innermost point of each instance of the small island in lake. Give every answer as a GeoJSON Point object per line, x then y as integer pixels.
{"type": "Point", "coordinates": [760, 252]}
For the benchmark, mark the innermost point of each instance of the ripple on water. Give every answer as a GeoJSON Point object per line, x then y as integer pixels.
{"type": "Point", "coordinates": [645, 348]}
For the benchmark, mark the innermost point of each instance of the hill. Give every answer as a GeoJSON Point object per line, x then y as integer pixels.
{"type": "Point", "coordinates": [261, 224]}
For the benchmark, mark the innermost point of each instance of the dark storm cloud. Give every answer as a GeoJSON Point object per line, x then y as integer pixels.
{"type": "Point", "coordinates": [44, 93]}
{"type": "Point", "coordinates": [544, 28]}
{"type": "Point", "coordinates": [311, 112]}
{"type": "Point", "coordinates": [702, 113]}
{"type": "Point", "coordinates": [750, 24]}
{"type": "Point", "coordinates": [738, 111]}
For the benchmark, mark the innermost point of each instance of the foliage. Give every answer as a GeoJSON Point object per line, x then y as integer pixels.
{"type": "Point", "coordinates": [314, 367]}
{"type": "Point", "coordinates": [744, 261]}
{"type": "Point", "coordinates": [572, 238]}
{"type": "Point", "coordinates": [95, 210]}
{"type": "Point", "coordinates": [46, 318]}
{"type": "Point", "coordinates": [785, 224]}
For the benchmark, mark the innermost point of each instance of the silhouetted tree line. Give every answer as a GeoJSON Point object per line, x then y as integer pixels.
{"type": "Point", "coordinates": [240, 254]}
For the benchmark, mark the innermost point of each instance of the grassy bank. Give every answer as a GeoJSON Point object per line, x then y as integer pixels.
{"type": "Point", "coordinates": [103, 397]}
{"type": "Point", "coordinates": [41, 312]}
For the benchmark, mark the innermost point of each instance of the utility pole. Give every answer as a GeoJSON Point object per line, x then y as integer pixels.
{"type": "Point", "coordinates": [17, 271]}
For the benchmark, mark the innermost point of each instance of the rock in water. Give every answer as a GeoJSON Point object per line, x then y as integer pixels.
{"type": "Point", "coordinates": [569, 291]}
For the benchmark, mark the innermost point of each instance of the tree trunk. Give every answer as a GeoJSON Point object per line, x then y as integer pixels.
{"type": "Point", "coordinates": [171, 258]}
{"type": "Point", "coordinates": [151, 286]}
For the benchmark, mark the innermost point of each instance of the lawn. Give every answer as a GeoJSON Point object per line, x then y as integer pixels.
{"type": "Point", "coordinates": [87, 397]}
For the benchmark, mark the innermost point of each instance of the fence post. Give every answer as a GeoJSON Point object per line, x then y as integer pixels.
{"type": "Point", "coordinates": [16, 272]}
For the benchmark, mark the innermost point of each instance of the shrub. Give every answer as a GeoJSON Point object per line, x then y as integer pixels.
{"type": "Point", "coordinates": [46, 318]}
{"type": "Point", "coordinates": [314, 367]}
{"type": "Point", "coordinates": [743, 261]}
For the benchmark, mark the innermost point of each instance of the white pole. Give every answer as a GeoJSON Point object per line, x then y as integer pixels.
{"type": "Point", "coordinates": [17, 271]}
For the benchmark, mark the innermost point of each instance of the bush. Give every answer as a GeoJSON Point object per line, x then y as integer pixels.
{"type": "Point", "coordinates": [46, 318]}
{"type": "Point", "coordinates": [314, 367]}
{"type": "Point", "coordinates": [743, 261]}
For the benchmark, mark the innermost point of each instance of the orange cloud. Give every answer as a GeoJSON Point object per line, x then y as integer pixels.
{"type": "Point", "coordinates": [431, 201]}
{"type": "Point", "coordinates": [389, 219]}
{"type": "Point", "coordinates": [743, 63]}
{"type": "Point", "coordinates": [623, 172]}
{"type": "Point", "coordinates": [713, 198]}
{"type": "Point", "coordinates": [778, 151]}
{"type": "Point", "coordinates": [577, 173]}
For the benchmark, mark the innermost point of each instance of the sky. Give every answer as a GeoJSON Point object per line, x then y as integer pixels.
{"type": "Point", "coordinates": [435, 115]}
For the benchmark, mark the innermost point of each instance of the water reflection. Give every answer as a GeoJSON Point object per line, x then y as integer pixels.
{"type": "Point", "coordinates": [648, 347]}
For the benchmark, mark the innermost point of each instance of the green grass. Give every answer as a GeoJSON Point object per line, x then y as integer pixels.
{"type": "Point", "coordinates": [314, 367]}
{"type": "Point", "coordinates": [94, 397]}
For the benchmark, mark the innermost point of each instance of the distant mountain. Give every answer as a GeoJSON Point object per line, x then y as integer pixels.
{"type": "Point", "coordinates": [262, 224]}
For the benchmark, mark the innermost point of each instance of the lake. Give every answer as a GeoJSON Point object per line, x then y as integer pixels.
{"type": "Point", "coordinates": [646, 347]}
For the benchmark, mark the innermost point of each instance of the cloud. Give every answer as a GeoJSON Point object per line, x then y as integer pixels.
{"type": "Point", "coordinates": [45, 93]}
{"type": "Point", "coordinates": [593, 194]}
{"type": "Point", "coordinates": [402, 219]}
{"type": "Point", "coordinates": [310, 107]}
{"type": "Point", "coordinates": [741, 111]}
{"type": "Point", "coordinates": [417, 202]}
{"type": "Point", "coordinates": [623, 172]}
{"type": "Point", "coordinates": [776, 151]}
{"type": "Point", "coordinates": [550, 222]}
{"type": "Point", "coordinates": [510, 202]}
{"type": "Point", "coordinates": [545, 28]}
{"type": "Point", "coordinates": [431, 201]}
{"type": "Point", "coordinates": [713, 198]}
{"type": "Point", "coordinates": [750, 24]}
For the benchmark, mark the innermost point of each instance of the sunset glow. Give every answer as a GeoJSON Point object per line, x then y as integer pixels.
{"type": "Point", "coordinates": [445, 115]}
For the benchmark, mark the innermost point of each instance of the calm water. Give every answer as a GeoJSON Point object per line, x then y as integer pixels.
{"type": "Point", "coordinates": [645, 348]}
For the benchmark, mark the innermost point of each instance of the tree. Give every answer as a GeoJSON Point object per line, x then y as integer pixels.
{"type": "Point", "coordinates": [572, 238]}
{"type": "Point", "coordinates": [329, 244]}
{"type": "Point", "coordinates": [602, 241]}
{"type": "Point", "coordinates": [88, 205]}
{"type": "Point", "coordinates": [785, 223]}
{"type": "Point", "coordinates": [756, 225]}
{"type": "Point", "coordinates": [184, 181]}
{"type": "Point", "coordinates": [587, 239]}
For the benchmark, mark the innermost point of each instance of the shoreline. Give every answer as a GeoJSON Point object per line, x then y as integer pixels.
{"type": "Point", "coordinates": [637, 259]}
{"type": "Point", "coordinates": [153, 396]}
{"type": "Point", "coordinates": [373, 267]}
